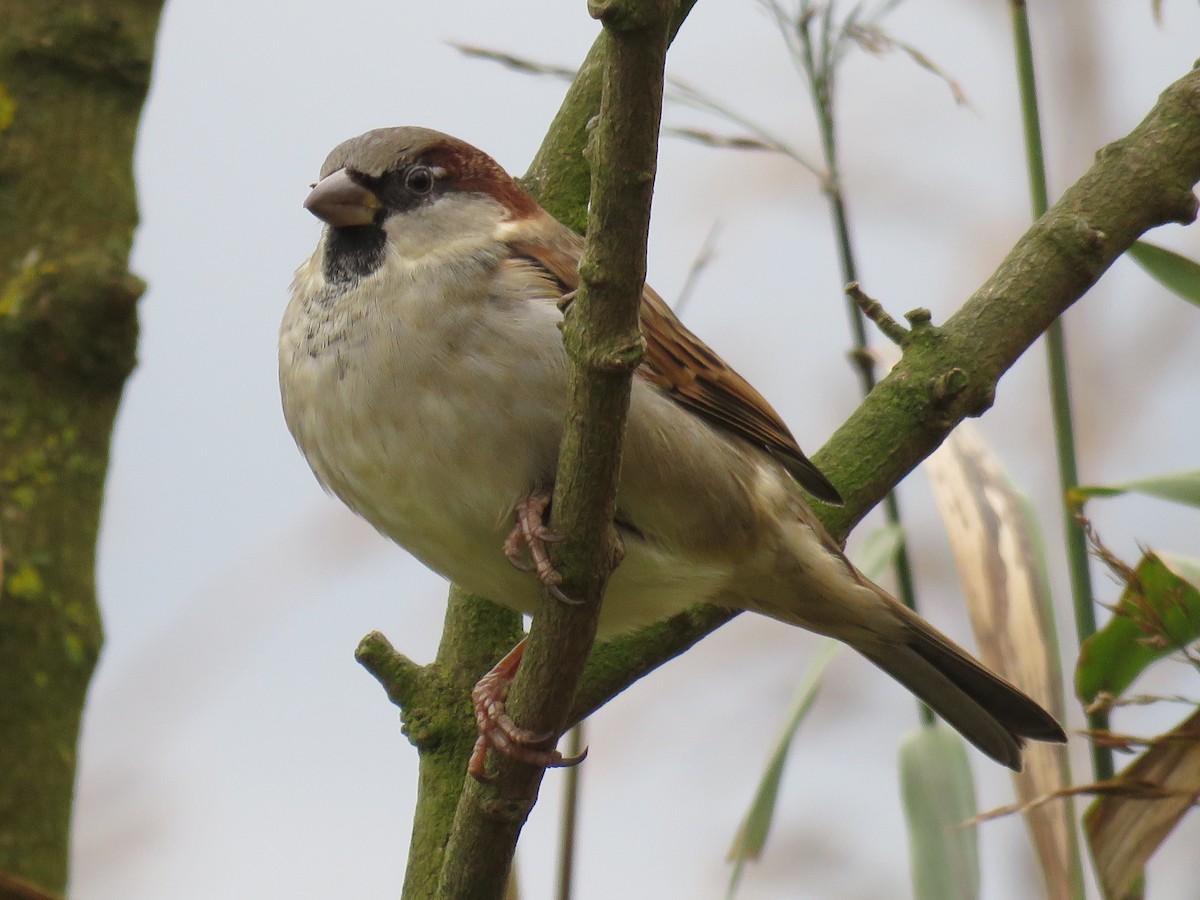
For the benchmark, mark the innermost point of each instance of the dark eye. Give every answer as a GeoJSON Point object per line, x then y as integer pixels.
{"type": "Point", "coordinates": [419, 180]}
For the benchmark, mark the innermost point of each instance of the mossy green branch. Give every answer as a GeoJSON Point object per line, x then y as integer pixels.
{"type": "Point", "coordinates": [605, 346]}
{"type": "Point", "coordinates": [559, 176]}
{"type": "Point", "coordinates": [603, 343]}
{"type": "Point", "coordinates": [436, 711]}
{"type": "Point", "coordinates": [952, 371]}
{"type": "Point", "coordinates": [947, 373]}
{"type": "Point", "coordinates": [477, 633]}
{"type": "Point", "coordinates": [73, 77]}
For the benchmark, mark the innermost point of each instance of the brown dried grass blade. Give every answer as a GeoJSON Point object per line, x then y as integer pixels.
{"type": "Point", "coordinates": [1126, 826]}
{"type": "Point", "coordinates": [998, 553]}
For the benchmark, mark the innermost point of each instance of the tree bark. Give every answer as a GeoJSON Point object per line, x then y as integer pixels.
{"type": "Point", "coordinates": [73, 78]}
{"type": "Point", "coordinates": [604, 345]}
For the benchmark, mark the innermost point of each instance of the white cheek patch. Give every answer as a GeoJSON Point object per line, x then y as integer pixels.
{"type": "Point", "coordinates": [449, 228]}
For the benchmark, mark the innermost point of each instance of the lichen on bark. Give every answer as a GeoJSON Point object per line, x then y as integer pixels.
{"type": "Point", "coordinates": [73, 77]}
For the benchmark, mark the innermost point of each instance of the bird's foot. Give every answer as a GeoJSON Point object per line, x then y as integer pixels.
{"type": "Point", "coordinates": [499, 732]}
{"type": "Point", "coordinates": [531, 534]}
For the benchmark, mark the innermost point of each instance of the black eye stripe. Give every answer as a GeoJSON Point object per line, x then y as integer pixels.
{"type": "Point", "coordinates": [406, 187]}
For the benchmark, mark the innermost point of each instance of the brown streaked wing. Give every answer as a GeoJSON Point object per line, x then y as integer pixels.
{"type": "Point", "coordinates": [685, 368]}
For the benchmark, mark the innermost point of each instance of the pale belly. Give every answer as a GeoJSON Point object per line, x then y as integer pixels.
{"type": "Point", "coordinates": [435, 452]}
{"type": "Point", "coordinates": [451, 506]}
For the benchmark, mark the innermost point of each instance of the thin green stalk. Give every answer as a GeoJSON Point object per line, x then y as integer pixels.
{"type": "Point", "coordinates": [1060, 397]}
{"type": "Point", "coordinates": [570, 816]}
{"type": "Point", "coordinates": [819, 68]}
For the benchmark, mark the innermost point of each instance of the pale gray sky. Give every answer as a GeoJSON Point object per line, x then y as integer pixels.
{"type": "Point", "coordinates": [232, 746]}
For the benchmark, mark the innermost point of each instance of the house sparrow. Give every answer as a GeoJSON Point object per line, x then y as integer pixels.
{"type": "Point", "coordinates": [424, 379]}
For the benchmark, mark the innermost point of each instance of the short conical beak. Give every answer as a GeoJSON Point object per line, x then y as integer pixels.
{"type": "Point", "coordinates": [339, 200]}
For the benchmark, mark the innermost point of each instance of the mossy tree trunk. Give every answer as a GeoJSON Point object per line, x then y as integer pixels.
{"type": "Point", "coordinates": [73, 78]}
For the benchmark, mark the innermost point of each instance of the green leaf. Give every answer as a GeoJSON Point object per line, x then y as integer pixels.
{"type": "Point", "coordinates": [1176, 273]}
{"type": "Point", "coordinates": [1001, 561]}
{"type": "Point", "coordinates": [939, 795]}
{"type": "Point", "coordinates": [877, 553]}
{"type": "Point", "coordinates": [1158, 613]}
{"type": "Point", "coordinates": [1180, 487]}
{"type": "Point", "coordinates": [756, 824]}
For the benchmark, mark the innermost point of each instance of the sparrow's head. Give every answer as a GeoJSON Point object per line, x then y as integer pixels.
{"type": "Point", "coordinates": [418, 190]}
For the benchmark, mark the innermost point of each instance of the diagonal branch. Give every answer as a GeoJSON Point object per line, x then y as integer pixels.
{"type": "Point", "coordinates": [559, 175]}
{"type": "Point", "coordinates": [950, 372]}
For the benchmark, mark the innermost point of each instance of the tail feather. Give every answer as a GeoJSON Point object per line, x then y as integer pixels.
{"type": "Point", "coordinates": [988, 711]}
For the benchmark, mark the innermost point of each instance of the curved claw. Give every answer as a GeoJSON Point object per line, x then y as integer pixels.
{"type": "Point", "coordinates": [531, 534]}
{"type": "Point", "coordinates": [547, 759]}
{"type": "Point", "coordinates": [547, 535]}
{"type": "Point", "coordinates": [554, 591]}
{"type": "Point", "coordinates": [499, 732]}
{"type": "Point", "coordinates": [513, 545]}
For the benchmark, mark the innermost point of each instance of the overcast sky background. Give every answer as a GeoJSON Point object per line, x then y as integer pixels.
{"type": "Point", "coordinates": [233, 748]}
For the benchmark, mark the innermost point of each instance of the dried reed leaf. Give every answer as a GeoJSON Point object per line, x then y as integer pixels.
{"type": "Point", "coordinates": [1128, 823]}
{"type": "Point", "coordinates": [997, 550]}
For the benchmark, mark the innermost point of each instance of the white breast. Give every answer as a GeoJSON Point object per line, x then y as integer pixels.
{"type": "Point", "coordinates": [430, 412]}
{"type": "Point", "coordinates": [389, 391]}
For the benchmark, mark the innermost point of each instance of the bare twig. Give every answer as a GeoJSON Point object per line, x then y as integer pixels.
{"type": "Point", "coordinates": [703, 258]}
{"type": "Point", "coordinates": [873, 310]}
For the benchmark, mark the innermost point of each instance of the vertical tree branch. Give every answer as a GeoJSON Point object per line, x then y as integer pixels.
{"type": "Point", "coordinates": [436, 709]}
{"type": "Point", "coordinates": [604, 344]}
{"type": "Point", "coordinates": [477, 633]}
{"type": "Point", "coordinates": [73, 77]}
{"type": "Point", "coordinates": [559, 175]}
